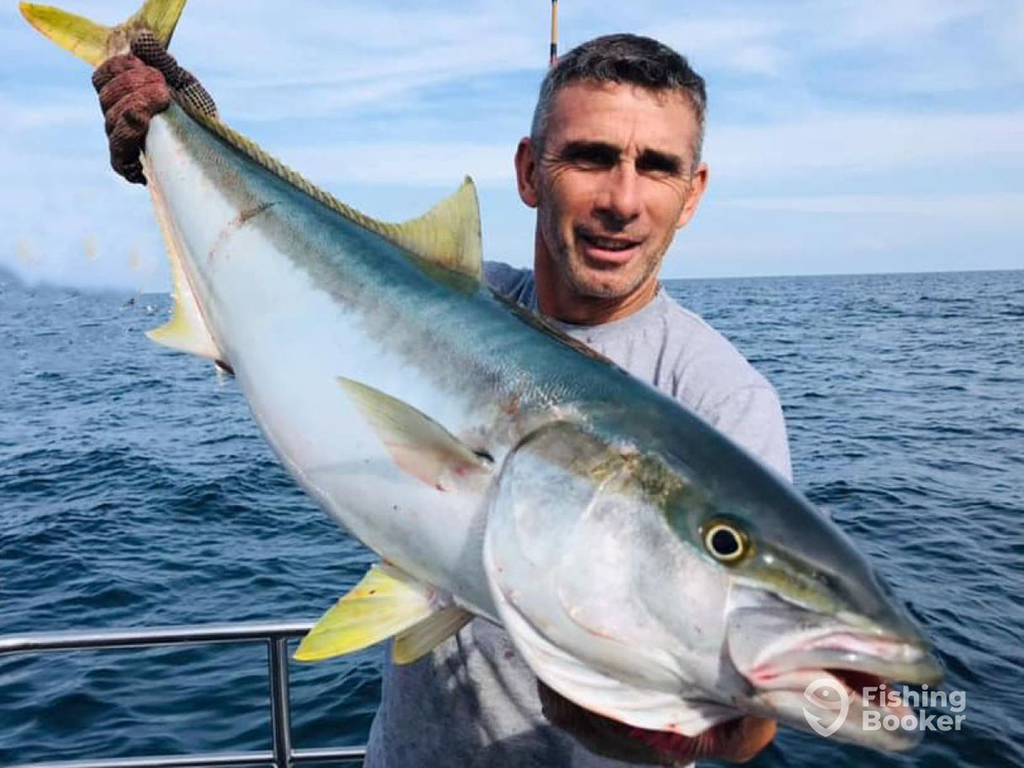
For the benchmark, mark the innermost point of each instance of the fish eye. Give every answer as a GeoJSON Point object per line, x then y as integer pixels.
{"type": "Point", "coordinates": [725, 542]}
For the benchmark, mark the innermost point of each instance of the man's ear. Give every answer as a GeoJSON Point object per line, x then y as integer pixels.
{"type": "Point", "coordinates": [698, 183]}
{"type": "Point", "coordinates": [526, 172]}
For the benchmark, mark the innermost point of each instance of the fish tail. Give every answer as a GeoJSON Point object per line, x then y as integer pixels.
{"type": "Point", "coordinates": [95, 43]}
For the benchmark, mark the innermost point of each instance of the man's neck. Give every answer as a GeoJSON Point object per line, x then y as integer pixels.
{"type": "Point", "coordinates": [557, 300]}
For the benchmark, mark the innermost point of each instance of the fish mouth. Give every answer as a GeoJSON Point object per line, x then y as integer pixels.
{"type": "Point", "coordinates": [851, 657]}
{"type": "Point", "coordinates": [735, 740]}
{"type": "Point", "coordinates": [847, 684]}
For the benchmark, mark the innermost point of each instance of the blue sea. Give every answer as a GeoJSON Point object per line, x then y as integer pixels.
{"type": "Point", "coordinates": [136, 490]}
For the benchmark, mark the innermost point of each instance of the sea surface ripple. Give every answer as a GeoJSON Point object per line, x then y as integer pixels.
{"type": "Point", "coordinates": [136, 490]}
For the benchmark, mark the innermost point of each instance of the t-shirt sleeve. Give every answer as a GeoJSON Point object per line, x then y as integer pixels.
{"type": "Point", "coordinates": [506, 280]}
{"type": "Point", "coordinates": [752, 416]}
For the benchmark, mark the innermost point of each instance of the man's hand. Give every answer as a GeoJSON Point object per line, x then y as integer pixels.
{"type": "Point", "coordinates": [735, 741]}
{"type": "Point", "coordinates": [135, 86]}
{"type": "Point", "coordinates": [130, 94]}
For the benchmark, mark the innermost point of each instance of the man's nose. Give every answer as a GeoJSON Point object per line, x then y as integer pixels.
{"type": "Point", "coordinates": [619, 201]}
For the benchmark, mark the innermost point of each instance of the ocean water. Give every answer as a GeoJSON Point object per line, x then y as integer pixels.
{"type": "Point", "coordinates": [135, 490]}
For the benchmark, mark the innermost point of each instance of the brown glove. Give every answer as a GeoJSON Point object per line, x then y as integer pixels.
{"type": "Point", "coordinates": [135, 86]}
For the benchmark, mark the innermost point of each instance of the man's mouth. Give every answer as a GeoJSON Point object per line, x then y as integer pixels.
{"type": "Point", "coordinates": [607, 249]}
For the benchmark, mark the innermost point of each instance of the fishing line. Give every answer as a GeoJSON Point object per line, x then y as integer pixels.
{"type": "Point", "coordinates": [554, 33]}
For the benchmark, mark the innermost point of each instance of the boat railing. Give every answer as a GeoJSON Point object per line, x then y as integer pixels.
{"type": "Point", "coordinates": [275, 635]}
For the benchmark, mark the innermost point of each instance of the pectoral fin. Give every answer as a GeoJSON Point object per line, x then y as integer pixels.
{"type": "Point", "coordinates": [417, 443]}
{"type": "Point", "coordinates": [386, 602]}
{"type": "Point", "coordinates": [418, 641]}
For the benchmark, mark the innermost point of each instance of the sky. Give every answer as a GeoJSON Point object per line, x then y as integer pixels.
{"type": "Point", "coordinates": [843, 136]}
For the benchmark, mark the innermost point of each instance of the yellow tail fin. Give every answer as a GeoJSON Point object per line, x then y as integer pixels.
{"type": "Point", "coordinates": [94, 42]}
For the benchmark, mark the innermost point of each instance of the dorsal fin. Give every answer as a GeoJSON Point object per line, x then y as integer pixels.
{"type": "Point", "coordinates": [447, 235]}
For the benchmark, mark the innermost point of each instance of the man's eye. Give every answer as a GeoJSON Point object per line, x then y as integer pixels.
{"type": "Point", "coordinates": [653, 162]}
{"type": "Point", "coordinates": [590, 157]}
{"type": "Point", "coordinates": [592, 162]}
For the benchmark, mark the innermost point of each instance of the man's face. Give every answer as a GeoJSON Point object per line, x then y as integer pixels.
{"type": "Point", "coordinates": [614, 182]}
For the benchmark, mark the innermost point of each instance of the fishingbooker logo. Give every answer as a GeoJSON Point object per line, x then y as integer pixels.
{"type": "Point", "coordinates": [826, 695]}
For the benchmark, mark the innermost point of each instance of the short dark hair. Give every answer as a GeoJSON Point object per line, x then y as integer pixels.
{"type": "Point", "coordinates": [623, 58]}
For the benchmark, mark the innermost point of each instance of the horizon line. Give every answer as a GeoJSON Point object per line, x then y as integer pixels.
{"type": "Point", "coordinates": [7, 273]}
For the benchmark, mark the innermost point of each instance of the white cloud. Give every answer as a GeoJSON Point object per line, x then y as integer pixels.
{"type": "Point", "coordinates": [860, 143]}
{"type": "Point", "coordinates": [415, 164]}
{"type": "Point", "coordinates": [894, 24]}
{"type": "Point", "coordinates": [353, 48]}
{"type": "Point", "coordinates": [870, 48]}
{"type": "Point", "coordinates": [979, 208]}
{"type": "Point", "coordinates": [1007, 33]}
{"type": "Point", "coordinates": [733, 42]}
{"type": "Point", "coordinates": [852, 97]}
{"type": "Point", "coordinates": [61, 112]}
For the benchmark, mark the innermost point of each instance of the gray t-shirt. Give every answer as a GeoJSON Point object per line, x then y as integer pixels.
{"type": "Point", "coordinates": [473, 702]}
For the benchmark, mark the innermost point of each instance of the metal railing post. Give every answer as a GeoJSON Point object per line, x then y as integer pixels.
{"type": "Point", "coordinates": [280, 702]}
{"type": "Point", "coordinates": [274, 635]}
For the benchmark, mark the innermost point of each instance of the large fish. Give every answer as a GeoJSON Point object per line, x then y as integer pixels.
{"type": "Point", "coordinates": [648, 569]}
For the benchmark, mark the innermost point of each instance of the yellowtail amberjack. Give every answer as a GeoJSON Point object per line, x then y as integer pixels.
{"type": "Point", "coordinates": [646, 567]}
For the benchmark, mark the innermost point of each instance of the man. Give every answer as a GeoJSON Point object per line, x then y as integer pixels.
{"type": "Point", "coordinates": [612, 166]}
